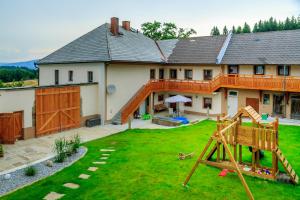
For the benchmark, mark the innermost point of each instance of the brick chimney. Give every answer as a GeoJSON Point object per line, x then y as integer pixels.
{"type": "Point", "coordinates": [114, 25]}
{"type": "Point", "coordinates": [126, 25]}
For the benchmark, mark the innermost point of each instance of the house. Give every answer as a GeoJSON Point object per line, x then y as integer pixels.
{"type": "Point", "coordinates": [114, 71]}
{"type": "Point", "coordinates": [222, 73]}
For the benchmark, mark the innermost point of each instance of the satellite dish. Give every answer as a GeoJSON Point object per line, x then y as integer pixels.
{"type": "Point", "coordinates": [111, 89]}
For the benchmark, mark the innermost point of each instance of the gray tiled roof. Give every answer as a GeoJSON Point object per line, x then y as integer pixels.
{"type": "Point", "coordinates": [133, 46]}
{"type": "Point", "coordinates": [89, 47]}
{"type": "Point", "coordinates": [167, 46]}
{"type": "Point", "coordinates": [197, 50]}
{"type": "Point", "coordinates": [101, 45]}
{"type": "Point", "coordinates": [278, 47]}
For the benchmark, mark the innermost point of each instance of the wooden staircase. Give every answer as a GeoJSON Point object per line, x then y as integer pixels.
{"type": "Point", "coordinates": [287, 166]}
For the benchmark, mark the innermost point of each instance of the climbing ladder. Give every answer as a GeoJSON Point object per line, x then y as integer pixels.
{"type": "Point", "coordinates": [287, 166]}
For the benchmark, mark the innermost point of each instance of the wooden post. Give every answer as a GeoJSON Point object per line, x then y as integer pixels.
{"type": "Point", "coordinates": [275, 146]}
{"type": "Point", "coordinates": [197, 162]}
{"type": "Point", "coordinates": [250, 196]}
{"type": "Point", "coordinates": [151, 112]}
{"type": "Point", "coordinates": [129, 122]}
{"type": "Point", "coordinates": [218, 151]}
{"type": "Point", "coordinates": [224, 153]}
{"type": "Point", "coordinates": [240, 153]}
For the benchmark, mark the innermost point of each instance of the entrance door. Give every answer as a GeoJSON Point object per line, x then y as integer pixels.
{"type": "Point", "coordinates": [278, 104]}
{"type": "Point", "coordinates": [232, 102]}
{"type": "Point", "coordinates": [295, 107]}
{"type": "Point", "coordinates": [254, 102]}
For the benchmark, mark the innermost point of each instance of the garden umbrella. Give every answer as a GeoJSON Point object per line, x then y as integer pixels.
{"type": "Point", "coordinates": [177, 99]}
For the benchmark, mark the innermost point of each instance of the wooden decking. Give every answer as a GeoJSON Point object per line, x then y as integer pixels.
{"type": "Point", "coordinates": [255, 82]}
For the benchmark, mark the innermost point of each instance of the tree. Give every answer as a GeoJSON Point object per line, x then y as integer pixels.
{"type": "Point", "coordinates": [215, 31]}
{"type": "Point", "coordinates": [246, 28]}
{"type": "Point", "coordinates": [255, 28]}
{"type": "Point", "coordinates": [233, 29]}
{"type": "Point", "coordinates": [185, 33]}
{"type": "Point", "coordinates": [225, 31]}
{"type": "Point", "coordinates": [239, 30]}
{"type": "Point", "coordinates": [152, 30]}
{"type": "Point", "coordinates": [158, 31]}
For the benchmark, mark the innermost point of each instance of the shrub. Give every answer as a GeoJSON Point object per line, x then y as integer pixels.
{"type": "Point", "coordinates": [69, 147]}
{"type": "Point", "coordinates": [30, 171]}
{"type": "Point", "coordinates": [76, 143]}
{"type": "Point", "coordinates": [64, 148]}
{"type": "Point", "coordinates": [60, 148]}
{"type": "Point", "coordinates": [1, 151]}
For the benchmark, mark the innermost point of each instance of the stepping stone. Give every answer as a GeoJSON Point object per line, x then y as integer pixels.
{"type": "Point", "coordinates": [105, 154]}
{"type": "Point", "coordinates": [92, 169]}
{"type": "Point", "coordinates": [99, 163]}
{"type": "Point", "coordinates": [84, 176]}
{"type": "Point", "coordinates": [107, 150]}
{"type": "Point", "coordinates": [104, 158]}
{"type": "Point", "coordinates": [53, 196]}
{"type": "Point", "coordinates": [71, 185]}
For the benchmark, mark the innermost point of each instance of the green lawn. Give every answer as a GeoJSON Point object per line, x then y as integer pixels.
{"type": "Point", "coordinates": [145, 166]}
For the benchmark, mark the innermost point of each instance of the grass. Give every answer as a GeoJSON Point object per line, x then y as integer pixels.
{"type": "Point", "coordinates": [145, 166]}
{"type": "Point", "coordinates": [26, 83]}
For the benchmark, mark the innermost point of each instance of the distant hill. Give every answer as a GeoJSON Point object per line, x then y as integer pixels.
{"type": "Point", "coordinates": [27, 64]}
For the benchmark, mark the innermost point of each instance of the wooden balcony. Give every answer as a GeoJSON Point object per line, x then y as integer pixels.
{"type": "Point", "coordinates": [261, 82]}
{"type": "Point", "coordinates": [256, 82]}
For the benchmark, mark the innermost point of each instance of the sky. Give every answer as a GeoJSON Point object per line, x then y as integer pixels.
{"type": "Point", "coordinates": [31, 29]}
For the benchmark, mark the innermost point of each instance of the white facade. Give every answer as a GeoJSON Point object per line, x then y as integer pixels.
{"type": "Point", "coordinates": [128, 79]}
{"type": "Point", "coordinates": [80, 73]}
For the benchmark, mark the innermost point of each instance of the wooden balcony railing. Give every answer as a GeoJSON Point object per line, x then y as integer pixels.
{"type": "Point", "coordinates": [258, 82]}
{"type": "Point", "coordinates": [261, 82]}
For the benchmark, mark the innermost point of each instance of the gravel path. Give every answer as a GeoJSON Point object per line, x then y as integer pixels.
{"type": "Point", "coordinates": [18, 179]}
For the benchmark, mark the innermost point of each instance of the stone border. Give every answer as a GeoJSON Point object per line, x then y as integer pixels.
{"type": "Point", "coordinates": [45, 173]}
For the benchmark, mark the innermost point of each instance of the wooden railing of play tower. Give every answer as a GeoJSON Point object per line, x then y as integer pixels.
{"type": "Point", "coordinates": [257, 82]}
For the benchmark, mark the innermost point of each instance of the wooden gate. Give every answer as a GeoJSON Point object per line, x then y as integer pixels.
{"type": "Point", "coordinates": [57, 109]}
{"type": "Point", "coordinates": [11, 127]}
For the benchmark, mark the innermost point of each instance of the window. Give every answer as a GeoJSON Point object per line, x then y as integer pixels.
{"type": "Point", "coordinates": [56, 77]}
{"type": "Point", "coordinates": [233, 69]}
{"type": "Point", "coordinates": [266, 99]}
{"type": "Point", "coordinates": [283, 70]}
{"type": "Point", "coordinates": [152, 73]}
{"type": "Point", "coordinates": [232, 93]}
{"type": "Point", "coordinates": [188, 74]}
{"type": "Point", "coordinates": [189, 104]}
{"type": "Point", "coordinates": [70, 76]}
{"type": "Point", "coordinates": [207, 102]}
{"type": "Point", "coordinates": [90, 76]}
{"type": "Point", "coordinates": [173, 73]}
{"type": "Point", "coordinates": [160, 97]}
{"type": "Point", "coordinates": [259, 69]}
{"type": "Point", "coordinates": [161, 73]}
{"type": "Point", "coordinates": [207, 74]}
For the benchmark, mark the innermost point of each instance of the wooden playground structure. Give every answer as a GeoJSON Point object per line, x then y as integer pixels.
{"type": "Point", "coordinates": [258, 137]}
